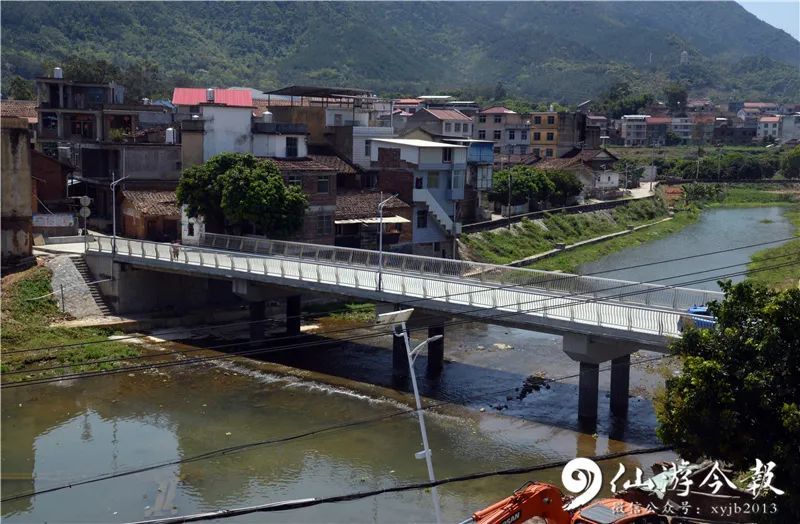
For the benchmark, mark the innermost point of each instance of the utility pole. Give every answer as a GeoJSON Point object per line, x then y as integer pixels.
{"type": "Point", "coordinates": [508, 212]}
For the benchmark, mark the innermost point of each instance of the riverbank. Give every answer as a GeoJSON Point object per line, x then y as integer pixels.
{"type": "Point", "coordinates": [26, 329]}
{"type": "Point", "coordinates": [763, 262]}
{"type": "Point", "coordinates": [531, 237]}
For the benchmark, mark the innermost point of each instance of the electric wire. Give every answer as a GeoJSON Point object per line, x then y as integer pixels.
{"type": "Point", "coordinates": [413, 300]}
{"type": "Point", "coordinates": [361, 337]}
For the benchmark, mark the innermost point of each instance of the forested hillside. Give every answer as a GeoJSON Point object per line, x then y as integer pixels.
{"type": "Point", "coordinates": [556, 51]}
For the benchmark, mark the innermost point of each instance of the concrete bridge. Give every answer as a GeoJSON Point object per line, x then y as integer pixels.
{"type": "Point", "coordinates": [599, 319]}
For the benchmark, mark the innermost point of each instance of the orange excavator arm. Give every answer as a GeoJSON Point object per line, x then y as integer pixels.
{"type": "Point", "coordinates": [531, 500]}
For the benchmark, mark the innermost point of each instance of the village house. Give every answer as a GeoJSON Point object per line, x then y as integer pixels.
{"type": "Point", "coordinates": [768, 127]}
{"type": "Point", "coordinates": [634, 130]}
{"type": "Point", "coordinates": [594, 169]}
{"type": "Point", "coordinates": [554, 133]}
{"type": "Point", "coordinates": [683, 128]}
{"type": "Point", "coordinates": [358, 220]}
{"type": "Point", "coordinates": [506, 128]}
{"type": "Point", "coordinates": [789, 128]}
{"type": "Point", "coordinates": [17, 191]}
{"type": "Point", "coordinates": [446, 122]}
{"type": "Point", "coordinates": [150, 215]}
{"type": "Point", "coordinates": [656, 129]}
{"type": "Point", "coordinates": [430, 176]}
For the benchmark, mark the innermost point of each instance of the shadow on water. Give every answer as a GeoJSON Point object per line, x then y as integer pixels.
{"type": "Point", "coordinates": [476, 387]}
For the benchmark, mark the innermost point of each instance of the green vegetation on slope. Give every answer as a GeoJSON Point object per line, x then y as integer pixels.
{"type": "Point", "coordinates": [527, 238]}
{"type": "Point", "coordinates": [544, 51]}
{"type": "Point", "coordinates": [779, 277]}
{"type": "Point", "coordinates": [26, 325]}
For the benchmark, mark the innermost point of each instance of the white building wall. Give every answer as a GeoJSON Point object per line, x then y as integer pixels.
{"type": "Point", "coordinates": [790, 127]}
{"type": "Point", "coordinates": [433, 155]}
{"type": "Point", "coordinates": [347, 116]}
{"type": "Point", "coordinates": [360, 136]}
{"type": "Point", "coordinates": [408, 153]}
{"type": "Point", "coordinates": [190, 234]}
{"type": "Point", "coordinates": [227, 129]}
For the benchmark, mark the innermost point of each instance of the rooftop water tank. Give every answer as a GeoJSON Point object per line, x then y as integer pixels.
{"type": "Point", "coordinates": [209, 95]}
{"type": "Point", "coordinates": [170, 136]}
{"type": "Point", "coordinates": [266, 116]}
{"type": "Point", "coordinates": [58, 73]}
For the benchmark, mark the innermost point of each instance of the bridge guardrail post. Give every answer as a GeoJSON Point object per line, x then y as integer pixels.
{"type": "Point", "coordinates": [130, 250]}
{"type": "Point", "coordinates": [266, 269]}
{"type": "Point", "coordinates": [630, 319]}
{"type": "Point", "coordinates": [283, 269]}
{"type": "Point", "coordinates": [248, 264]}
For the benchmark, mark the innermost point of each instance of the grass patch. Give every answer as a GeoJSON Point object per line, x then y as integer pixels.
{"type": "Point", "coordinates": [783, 277]}
{"type": "Point", "coordinates": [528, 237]}
{"type": "Point", "coordinates": [757, 196]}
{"type": "Point", "coordinates": [26, 325]}
{"type": "Point", "coordinates": [344, 311]}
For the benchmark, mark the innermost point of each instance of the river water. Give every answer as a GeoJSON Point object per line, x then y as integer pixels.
{"type": "Point", "coordinates": [60, 433]}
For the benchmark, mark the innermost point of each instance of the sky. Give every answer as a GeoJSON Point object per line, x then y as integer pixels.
{"type": "Point", "coordinates": [783, 14]}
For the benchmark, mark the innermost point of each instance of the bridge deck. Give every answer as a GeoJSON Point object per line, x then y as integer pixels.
{"type": "Point", "coordinates": [629, 311]}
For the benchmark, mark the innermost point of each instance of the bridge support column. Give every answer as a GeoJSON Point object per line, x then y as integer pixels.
{"type": "Point", "coordinates": [435, 351]}
{"type": "Point", "coordinates": [293, 315]}
{"type": "Point", "coordinates": [257, 324]}
{"type": "Point", "coordinates": [587, 392]}
{"type": "Point", "coordinates": [620, 382]}
{"type": "Point", "coordinates": [399, 357]}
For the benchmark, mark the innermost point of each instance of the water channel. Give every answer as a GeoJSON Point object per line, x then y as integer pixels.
{"type": "Point", "coordinates": [60, 433]}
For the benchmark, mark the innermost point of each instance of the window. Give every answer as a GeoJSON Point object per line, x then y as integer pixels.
{"type": "Point", "coordinates": [523, 135]}
{"type": "Point", "coordinates": [537, 120]}
{"type": "Point", "coordinates": [498, 119]}
{"type": "Point", "coordinates": [433, 179]}
{"type": "Point", "coordinates": [549, 152]}
{"type": "Point", "coordinates": [447, 155]}
{"type": "Point", "coordinates": [194, 109]}
{"type": "Point", "coordinates": [367, 148]}
{"type": "Point", "coordinates": [190, 229]}
{"type": "Point", "coordinates": [448, 127]}
{"type": "Point", "coordinates": [291, 147]}
{"type": "Point", "coordinates": [512, 135]}
{"type": "Point", "coordinates": [550, 136]}
{"type": "Point", "coordinates": [466, 129]}
{"type": "Point", "coordinates": [497, 134]}
{"type": "Point", "coordinates": [324, 184]}
{"type": "Point", "coordinates": [295, 180]}
{"type": "Point", "coordinates": [482, 119]}
{"type": "Point", "coordinates": [551, 120]}
{"type": "Point", "coordinates": [537, 136]}
{"type": "Point", "coordinates": [422, 219]}
{"type": "Point", "coordinates": [337, 119]}
{"type": "Point", "coordinates": [324, 224]}
{"type": "Point", "coordinates": [482, 134]}
{"type": "Point", "coordinates": [496, 150]}
{"type": "Point", "coordinates": [458, 180]}
{"type": "Point", "coordinates": [458, 127]}
{"type": "Point", "coordinates": [537, 152]}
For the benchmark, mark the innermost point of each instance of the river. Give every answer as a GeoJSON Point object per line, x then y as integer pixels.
{"type": "Point", "coordinates": [60, 433]}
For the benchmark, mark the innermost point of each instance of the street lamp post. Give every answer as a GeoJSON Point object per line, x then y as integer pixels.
{"type": "Point", "coordinates": [114, 182]}
{"type": "Point", "coordinates": [380, 238]}
{"type": "Point", "coordinates": [398, 319]}
{"type": "Point", "coordinates": [509, 201]}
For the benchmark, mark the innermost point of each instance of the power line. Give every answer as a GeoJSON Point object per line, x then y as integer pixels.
{"type": "Point", "coordinates": [411, 301]}
{"type": "Point", "coordinates": [361, 337]}
{"type": "Point", "coordinates": [308, 502]}
{"type": "Point", "coordinates": [317, 343]}
{"type": "Point", "coordinates": [250, 445]}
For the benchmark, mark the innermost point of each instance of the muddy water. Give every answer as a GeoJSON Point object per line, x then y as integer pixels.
{"type": "Point", "coordinates": [57, 434]}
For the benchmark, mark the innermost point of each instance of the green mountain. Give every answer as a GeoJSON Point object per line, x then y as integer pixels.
{"type": "Point", "coordinates": [554, 51]}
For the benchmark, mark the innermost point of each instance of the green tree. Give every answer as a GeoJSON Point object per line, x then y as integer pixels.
{"type": "Point", "coordinates": [566, 186]}
{"type": "Point", "coordinates": [90, 69]}
{"type": "Point", "coordinates": [736, 399]}
{"type": "Point", "coordinates": [790, 165]}
{"type": "Point", "coordinates": [20, 89]}
{"type": "Point", "coordinates": [143, 79]}
{"type": "Point", "coordinates": [677, 95]}
{"type": "Point", "coordinates": [527, 185]}
{"type": "Point", "coordinates": [672, 139]}
{"type": "Point", "coordinates": [499, 91]}
{"type": "Point", "coordinates": [238, 189]}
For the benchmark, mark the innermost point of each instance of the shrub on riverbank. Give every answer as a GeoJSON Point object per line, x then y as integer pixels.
{"type": "Point", "coordinates": [26, 325]}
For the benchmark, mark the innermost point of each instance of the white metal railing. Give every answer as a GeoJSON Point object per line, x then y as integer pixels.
{"type": "Point", "coordinates": [568, 297]}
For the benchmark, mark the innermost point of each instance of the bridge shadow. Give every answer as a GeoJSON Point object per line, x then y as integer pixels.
{"type": "Point", "coordinates": [475, 387]}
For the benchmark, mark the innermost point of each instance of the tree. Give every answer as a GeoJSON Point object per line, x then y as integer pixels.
{"type": "Point", "coordinates": [736, 399]}
{"type": "Point", "coordinates": [499, 91]}
{"type": "Point", "coordinates": [20, 89]}
{"type": "Point", "coordinates": [238, 189]}
{"type": "Point", "coordinates": [677, 96]}
{"type": "Point", "coordinates": [143, 79]}
{"type": "Point", "coordinates": [672, 138]}
{"type": "Point", "coordinates": [566, 185]}
{"type": "Point", "coordinates": [790, 165]}
{"type": "Point", "coordinates": [527, 185]}
{"type": "Point", "coordinates": [92, 70]}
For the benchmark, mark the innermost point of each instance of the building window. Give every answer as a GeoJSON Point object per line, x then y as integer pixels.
{"type": "Point", "coordinates": [549, 152]}
{"type": "Point", "coordinates": [482, 119]}
{"type": "Point", "coordinates": [447, 155]}
{"type": "Point", "coordinates": [551, 136]}
{"type": "Point", "coordinates": [422, 219]}
{"type": "Point", "coordinates": [458, 180]}
{"type": "Point", "coordinates": [433, 180]}
{"type": "Point", "coordinates": [523, 135]}
{"type": "Point", "coordinates": [537, 152]}
{"type": "Point", "coordinates": [194, 109]}
{"type": "Point", "coordinates": [537, 136]}
{"type": "Point", "coordinates": [458, 127]}
{"type": "Point", "coordinates": [537, 120]}
{"type": "Point", "coordinates": [448, 127]}
{"type": "Point", "coordinates": [324, 224]}
{"type": "Point", "coordinates": [497, 134]}
{"type": "Point", "coordinates": [512, 135]}
{"type": "Point", "coordinates": [482, 134]}
{"type": "Point", "coordinates": [551, 120]}
{"type": "Point", "coordinates": [498, 119]}
{"type": "Point", "coordinates": [466, 129]}
{"type": "Point", "coordinates": [190, 229]}
{"type": "Point", "coordinates": [324, 184]}
{"type": "Point", "coordinates": [367, 148]}
{"type": "Point", "coordinates": [295, 180]}
{"type": "Point", "coordinates": [291, 147]}
{"type": "Point", "coordinates": [496, 150]}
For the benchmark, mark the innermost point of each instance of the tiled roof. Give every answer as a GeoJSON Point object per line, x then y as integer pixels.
{"type": "Point", "coordinates": [334, 162]}
{"type": "Point", "coordinates": [192, 96]}
{"type": "Point", "coordinates": [560, 163]}
{"type": "Point", "coordinates": [365, 205]}
{"type": "Point", "coordinates": [653, 120]}
{"type": "Point", "coordinates": [153, 203]}
{"type": "Point", "coordinates": [497, 110]}
{"type": "Point", "coordinates": [760, 105]}
{"type": "Point", "coordinates": [299, 164]}
{"type": "Point", "coordinates": [408, 101]}
{"type": "Point", "coordinates": [21, 108]}
{"type": "Point", "coordinates": [769, 119]}
{"type": "Point", "coordinates": [448, 114]}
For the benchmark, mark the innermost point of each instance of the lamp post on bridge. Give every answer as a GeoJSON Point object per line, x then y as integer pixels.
{"type": "Point", "coordinates": [380, 238]}
{"type": "Point", "coordinates": [114, 182]}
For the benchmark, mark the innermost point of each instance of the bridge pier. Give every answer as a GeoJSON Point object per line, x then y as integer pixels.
{"type": "Point", "coordinates": [435, 351]}
{"type": "Point", "coordinates": [399, 356]}
{"type": "Point", "coordinates": [257, 324]}
{"type": "Point", "coordinates": [620, 383]}
{"type": "Point", "coordinates": [293, 315]}
{"type": "Point", "coordinates": [587, 392]}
